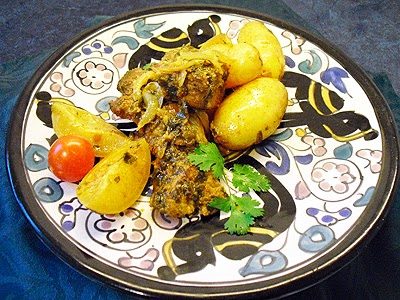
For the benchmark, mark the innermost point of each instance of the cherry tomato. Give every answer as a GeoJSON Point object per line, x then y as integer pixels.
{"type": "Point", "coordinates": [71, 157]}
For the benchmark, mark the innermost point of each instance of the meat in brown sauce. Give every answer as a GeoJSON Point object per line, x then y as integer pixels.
{"type": "Point", "coordinates": [182, 84]}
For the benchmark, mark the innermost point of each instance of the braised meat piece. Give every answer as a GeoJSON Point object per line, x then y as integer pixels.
{"type": "Point", "coordinates": [199, 86]}
{"type": "Point", "coordinates": [179, 188]}
{"type": "Point", "coordinates": [183, 75]}
{"type": "Point", "coordinates": [164, 99]}
{"type": "Point", "coordinates": [194, 76]}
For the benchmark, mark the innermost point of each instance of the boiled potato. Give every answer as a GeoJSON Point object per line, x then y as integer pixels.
{"type": "Point", "coordinates": [117, 181]}
{"type": "Point", "coordinates": [243, 60]}
{"type": "Point", "coordinates": [250, 114]}
{"type": "Point", "coordinates": [255, 33]}
{"type": "Point", "coordinates": [68, 119]}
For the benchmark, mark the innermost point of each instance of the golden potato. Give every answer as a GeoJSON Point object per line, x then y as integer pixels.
{"type": "Point", "coordinates": [250, 114]}
{"type": "Point", "coordinates": [69, 119]}
{"type": "Point", "coordinates": [256, 34]}
{"type": "Point", "coordinates": [243, 60]}
{"type": "Point", "coordinates": [117, 181]}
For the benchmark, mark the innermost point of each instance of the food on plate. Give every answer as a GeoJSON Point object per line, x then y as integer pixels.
{"type": "Point", "coordinates": [68, 119]}
{"type": "Point", "coordinates": [71, 157]}
{"type": "Point", "coordinates": [245, 178]}
{"type": "Point", "coordinates": [185, 74]}
{"type": "Point", "coordinates": [179, 188]}
{"type": "Point", "coordinates": [175, 100]}
{"type": "Point", "coordinates": [117, 181]}
{"type": "Point", "coordinates": [180, 104]}
{"type": "Point", "coordinates": [250, 114]}
{"type": "Point", "coordinates": [255, 33]}
{"type": "Point", "coordinates": [243, 60]}
{"type": "Point", "coordinates": [183, 81]}
{"type": "Point", "coordinates": [217, 39]}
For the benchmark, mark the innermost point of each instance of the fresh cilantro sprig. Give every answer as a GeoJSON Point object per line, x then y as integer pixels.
{"type": "Point", "coordinates": [207, 157]}
{"type": "Point", "coordinates": [246, 178]}
{"type": "Point", "coordinates": [243, 210]}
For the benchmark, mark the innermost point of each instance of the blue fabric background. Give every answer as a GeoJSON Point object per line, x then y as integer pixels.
{"type": "Point", "coordinates": [369, 32]}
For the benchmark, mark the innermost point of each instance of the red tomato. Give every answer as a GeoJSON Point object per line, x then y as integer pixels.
{"type": "Point", "coordinates": [70, 158]}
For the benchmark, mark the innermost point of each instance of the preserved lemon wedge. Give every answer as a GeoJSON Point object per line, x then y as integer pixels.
{"type": "Point", "coordinates": [68, 119]}
{"type": "Point", "coordinates": [117, 181]}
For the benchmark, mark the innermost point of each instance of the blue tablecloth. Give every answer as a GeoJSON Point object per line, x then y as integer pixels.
{"type": "Point", "coordinates": [30, 271]}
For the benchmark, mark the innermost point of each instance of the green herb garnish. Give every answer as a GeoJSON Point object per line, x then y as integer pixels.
{"type": "Point", "coordinates": [245, 178]}
{"type": "Point", "coordinates": [207, 157]}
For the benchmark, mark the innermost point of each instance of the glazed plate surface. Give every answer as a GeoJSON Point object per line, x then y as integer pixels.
{"type": "Point", "coordinates": [332, 164]}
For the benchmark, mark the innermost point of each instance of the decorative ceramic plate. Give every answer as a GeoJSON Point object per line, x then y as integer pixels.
{"type": "Point", "coordinates": [332, 163]}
